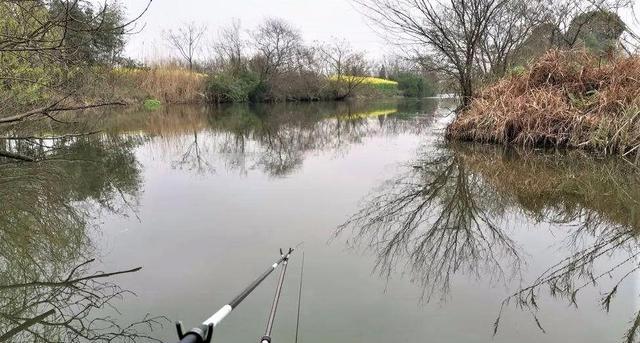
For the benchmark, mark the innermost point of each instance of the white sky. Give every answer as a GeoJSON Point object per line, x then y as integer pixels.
{"type": "Point", "coordinates": [318, 20]}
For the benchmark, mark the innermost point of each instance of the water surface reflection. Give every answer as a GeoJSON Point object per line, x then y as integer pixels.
{"type": "Point", "coordinates": [457, 210]}
{"type": "Point", "coordinates": [473, 228]}
{"type": "Point", "coordinates": [48, 290]}
{"type": "Point", "coordinates": [272, 138]}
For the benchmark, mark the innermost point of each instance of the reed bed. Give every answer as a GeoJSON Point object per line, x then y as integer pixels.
{"type": "Point", "coordinates": [565, 99]}
{"type": "Point", "coordinates": [170, 85]}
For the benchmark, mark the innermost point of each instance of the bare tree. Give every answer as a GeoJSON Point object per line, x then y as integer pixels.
{"type": "Point", "coordinates": [508, 30]}
{"type": "Point", "coordinates": [630, 40]}
{"type": "Point", "coordinates": [347, 67]}
{"type": "Point", "coordinates": [230, 45]}
{"type": "Point", "coordinates": [276, 43]}
{"type": "Point", "coordinates": [452, 32]}
{"type": "Point", "coordinates": [186, 40]}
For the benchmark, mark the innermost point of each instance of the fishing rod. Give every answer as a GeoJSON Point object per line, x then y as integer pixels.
{"type": "Point", "coordinates": [266, 338]}
{"type": "Point", "coordinates": [204, 332]}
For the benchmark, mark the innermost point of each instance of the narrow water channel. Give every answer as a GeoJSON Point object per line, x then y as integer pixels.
{"type": "Point", "coordinates": [406, 238]}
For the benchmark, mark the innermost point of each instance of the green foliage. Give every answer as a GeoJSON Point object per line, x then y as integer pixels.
{"type": "Point", "coordinates": [152, 104]}
{"type": "Point", "coordinates": [49, 50]}
{"type": "Point", "coordinates": [93, 41]}
{"type": "Point", "coordinates": [24, 78]}
{"type": "Point", "coordinates": [412, 85]}
{"type": "Point", "coordinates": [598, 31]}
{"type": "Point", "coordinates": [223, 88]}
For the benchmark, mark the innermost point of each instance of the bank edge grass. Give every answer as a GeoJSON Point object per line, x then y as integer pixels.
{"type": "Point", "coordinates": [169, 84]}
{"type": "Point", "coordinates": [566, 99]}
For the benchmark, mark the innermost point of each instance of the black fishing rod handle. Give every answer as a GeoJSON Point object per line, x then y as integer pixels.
{"type": "Point", "coordinates": [201, 334]}
{"type": "Point", "coordinates": [191, 338]}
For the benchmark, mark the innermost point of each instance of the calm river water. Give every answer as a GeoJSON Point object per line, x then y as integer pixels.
{"type": "Point", "coordinates": [406, 238]}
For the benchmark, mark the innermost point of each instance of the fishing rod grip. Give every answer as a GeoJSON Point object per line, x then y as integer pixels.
{"type": "Point", "coordinates": [202, 334]}
{"type": "Point", "coordinates": [191, 339]}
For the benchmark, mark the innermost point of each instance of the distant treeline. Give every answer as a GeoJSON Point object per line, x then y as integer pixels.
{"type": "Point", "coordinates": [273, 63]}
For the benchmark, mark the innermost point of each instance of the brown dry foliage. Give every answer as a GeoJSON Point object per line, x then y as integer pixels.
{"type": "Point", "coordinates": [566, 99]}
{"type": "Point", "coordinates": [170, 85]}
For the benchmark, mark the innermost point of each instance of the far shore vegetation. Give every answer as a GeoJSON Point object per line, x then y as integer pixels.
{"type": "Point", "coordinates": [271, 63]}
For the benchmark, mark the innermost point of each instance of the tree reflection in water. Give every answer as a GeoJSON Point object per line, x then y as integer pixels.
{"type": "Point", "coordinates": [274, 138]}
{"type": "Point", "coordinates": [448, 214]}
{"type": "Point", "coordinates": [277, 138]}
{"type": "Point", "coordinates": [47, 215]}
{"type": "Point", "coordinates": [442, 218]}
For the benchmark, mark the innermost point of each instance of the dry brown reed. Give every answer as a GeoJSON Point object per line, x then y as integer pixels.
{"type": "Point", "coordinates": [169, 84]}
{"type": "Point", "coordinates": [565, 99]}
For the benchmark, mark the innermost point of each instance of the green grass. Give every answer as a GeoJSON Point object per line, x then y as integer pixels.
{"type": "Point", "coordinates": [152, 104]}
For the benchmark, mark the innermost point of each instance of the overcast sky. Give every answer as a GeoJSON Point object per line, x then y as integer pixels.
{"type": "Point", "coordinates": [316, 19]}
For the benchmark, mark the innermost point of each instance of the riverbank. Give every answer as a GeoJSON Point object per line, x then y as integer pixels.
{"type": "Point", "coordinates": [565, 99]}
{"type": "Point", "coordinates": [175, 85]}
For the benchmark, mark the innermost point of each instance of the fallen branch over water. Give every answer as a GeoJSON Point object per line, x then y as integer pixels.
{"type": "Point", "coordinates": [54, 108]}
{"type": "Point", "coordinates": [16, 156]}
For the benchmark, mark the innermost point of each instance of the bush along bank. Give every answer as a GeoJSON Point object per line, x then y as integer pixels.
{"type": "Point", "coordinates": [568, 99]}
{"type": "Point", "coordinates": [248, 86]}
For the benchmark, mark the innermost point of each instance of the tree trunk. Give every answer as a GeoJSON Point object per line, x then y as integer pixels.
{"type": "Point", "coordinates": [466, 92]}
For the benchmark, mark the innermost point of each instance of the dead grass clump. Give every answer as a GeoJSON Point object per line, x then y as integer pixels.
{"type": "Point", "coordinates": [170, 85]}
{"type": "Point", "coordinates": [566, 99]}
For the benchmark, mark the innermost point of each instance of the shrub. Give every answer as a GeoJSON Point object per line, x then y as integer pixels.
{"type": "Point", "coordinates": [415, 86]}
{"type": "Point", "coordinates": [517, 71]}
{"type": "Point", "coordinates": [225, 87]}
